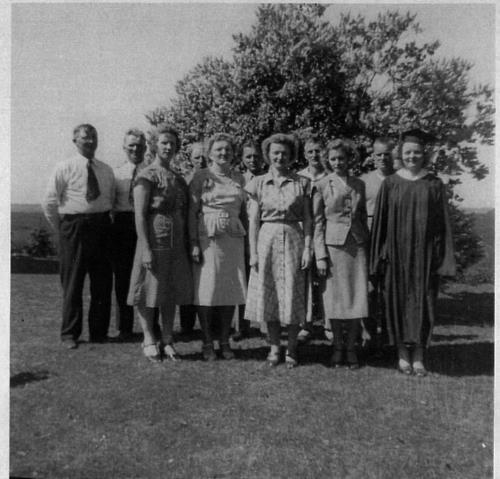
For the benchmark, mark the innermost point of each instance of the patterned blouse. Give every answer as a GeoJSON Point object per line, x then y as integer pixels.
{"type": "Point", "coordinates": [280, 199]}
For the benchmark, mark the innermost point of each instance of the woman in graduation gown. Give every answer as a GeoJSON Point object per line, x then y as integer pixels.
{"type": "Point", "coordinates": [411, 247]}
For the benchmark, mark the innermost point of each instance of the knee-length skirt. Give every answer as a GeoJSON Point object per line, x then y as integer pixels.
{"type": "Point", "coordinates": [345, 290]}
{"type": "Point", "coordinates": [220, 278]}
{"type": "Point", "coordinates": [168, 280]}
{"type": "Point", "coordinates": [277, 289]}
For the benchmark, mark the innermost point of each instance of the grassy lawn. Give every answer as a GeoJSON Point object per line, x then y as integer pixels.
{"type": "Point", "coordinates": [103, 411]}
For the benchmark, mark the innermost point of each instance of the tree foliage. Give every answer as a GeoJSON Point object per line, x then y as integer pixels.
{"type": "Point", "coordinates": [296, 72]}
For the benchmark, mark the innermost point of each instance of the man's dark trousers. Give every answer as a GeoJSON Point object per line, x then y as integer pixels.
{"type": "Point", "coordinates": [123, 239]}
{"type": "Point", "coordinates": [84, 247]}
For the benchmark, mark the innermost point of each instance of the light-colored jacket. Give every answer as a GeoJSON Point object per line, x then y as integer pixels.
{"type": "Point", "coordinates": [339, 208]}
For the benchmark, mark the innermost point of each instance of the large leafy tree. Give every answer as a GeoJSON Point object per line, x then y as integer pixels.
{"type": "Point", "coordinates": [297, 72]}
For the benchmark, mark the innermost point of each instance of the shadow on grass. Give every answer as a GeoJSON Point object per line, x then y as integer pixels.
{"type": "Point", "coordinates": [23, 378]}
{"type": "Point", "coordinates": [466, 309]}
{"type": "Point", "coordinates": [470, 359]}
{"type": "Point", "coordinates": [456, 360]}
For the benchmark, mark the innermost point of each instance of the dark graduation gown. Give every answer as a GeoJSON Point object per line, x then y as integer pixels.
{"type": "Point", "coordinates": [411, 245]}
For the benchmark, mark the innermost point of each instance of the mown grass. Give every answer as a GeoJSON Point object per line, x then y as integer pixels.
{"type": "Point", "coordinates": [104, 411]}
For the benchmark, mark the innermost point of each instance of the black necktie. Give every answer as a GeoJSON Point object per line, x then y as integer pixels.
{"type": "Point", "coordinates": [93, 191]}
{"type": "Point", "coordinates": [131, 187]}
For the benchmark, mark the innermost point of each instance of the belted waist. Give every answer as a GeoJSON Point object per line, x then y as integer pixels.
{"type": "Point", "coordinates": [216, 222]}
{"type": "Point", "coordinates": [288, 222]}
{"type": "Point", "coordinates": [220, 214]}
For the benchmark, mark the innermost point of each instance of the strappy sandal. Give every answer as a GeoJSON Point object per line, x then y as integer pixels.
{"type": "Point", "coordinates": [273, 358]}
{"type": "Point", "coordinates": [419, 371]}
{"type": "Point", "coordinates": [225, 351]}
{"type": "Point", "coordinates": [152, 352]}
{"type": "Point", "coordinates": [406, 369]}
{"type": "Point", "coordinates": [170, 353]}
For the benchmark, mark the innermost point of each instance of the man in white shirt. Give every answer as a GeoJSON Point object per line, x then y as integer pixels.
{"type": "Point", "coordinates": [77, 204]}
{"type": "Point", "coordinates": [123, 232]}
{"type": "Point", "coordinates": [383, 162]}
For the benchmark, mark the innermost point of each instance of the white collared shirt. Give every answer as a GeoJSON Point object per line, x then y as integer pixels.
{"type": "Point", "coordinates": [67, 188]}
{"type": "Point", "coordinates": [123, 177]}
{"type": "Point", "coordinates": [306, 173]}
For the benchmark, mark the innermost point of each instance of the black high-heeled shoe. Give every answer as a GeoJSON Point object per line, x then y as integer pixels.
{"type": "Point", "coordinates": [208, 353]}
{"type": "Point", "coordinates": [226, 351]}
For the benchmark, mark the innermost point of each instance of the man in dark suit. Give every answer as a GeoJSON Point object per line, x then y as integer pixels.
{"type": "Point", "coordinates": [77, 204]}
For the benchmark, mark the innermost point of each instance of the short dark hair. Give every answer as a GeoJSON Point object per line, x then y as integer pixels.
{"type": "Point", "coordinates": [84, 126]}
{"type": "Point", "coordinates": [250, 144]}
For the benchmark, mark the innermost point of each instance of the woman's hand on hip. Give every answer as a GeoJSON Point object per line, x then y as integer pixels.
{"type": "Point", "coordinates": [321, 266]}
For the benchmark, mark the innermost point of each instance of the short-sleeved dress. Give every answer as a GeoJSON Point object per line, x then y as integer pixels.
{"type": "Point", "coordinates": [277, 290]}
{"type": "Point", "coordinates": [170, 277]}
{"type": "Point", "coordinates": [219, 280]}
{"type": "Point", "coordinates": [411, 245]}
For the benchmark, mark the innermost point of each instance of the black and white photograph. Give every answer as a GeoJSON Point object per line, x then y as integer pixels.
{"type": "Point", "coordinates": [249, 240]}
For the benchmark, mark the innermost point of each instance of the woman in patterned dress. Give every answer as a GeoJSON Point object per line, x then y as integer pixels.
{"type": "Point", "coordinates": [161, 275]}
{"type": "Point", "coordinates": [341, 238]}
{"type": "Point", "coordinates": [411, 247]}
{"type": "Point", "coordinates": [217, 243]}
{"type": "Point", "coordinates": [280, 246]}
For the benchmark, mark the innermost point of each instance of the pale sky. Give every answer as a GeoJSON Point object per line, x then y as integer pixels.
{"type": "Point", "coordinates": [109, 64]}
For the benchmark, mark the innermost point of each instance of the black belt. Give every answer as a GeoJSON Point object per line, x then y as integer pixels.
{"type": "Point", "coordinates": [87, 216]}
